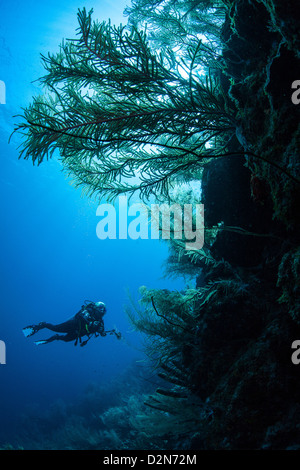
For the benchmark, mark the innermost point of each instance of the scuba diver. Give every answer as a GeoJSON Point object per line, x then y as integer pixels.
{"type": "Point", "coordinates": [87, 322]}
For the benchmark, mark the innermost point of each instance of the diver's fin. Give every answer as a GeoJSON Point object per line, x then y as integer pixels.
{"type": "Point", "coordinates": [32, 329]}
{"type": "Point", "coordinates": [28, 331]}
{"type": "Point", "coordinates": [42, 341]}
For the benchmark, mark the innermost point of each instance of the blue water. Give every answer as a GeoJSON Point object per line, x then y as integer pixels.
{"type": "Point", "coordinates": [51, 258]}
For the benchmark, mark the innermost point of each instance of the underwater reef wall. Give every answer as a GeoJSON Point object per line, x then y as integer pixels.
{"type": "Point", "coordinates": [257, 398]}
{"type": "Point", "coordinates": [232, 350]}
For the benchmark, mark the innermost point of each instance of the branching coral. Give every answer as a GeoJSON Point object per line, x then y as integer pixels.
{"type": "Point", "coordinates": [175, 324]}
{"type": "Point", "coordinates": [116, 109]}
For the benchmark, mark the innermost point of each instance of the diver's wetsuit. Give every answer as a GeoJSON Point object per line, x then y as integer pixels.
{"type": "Point", "coordinates": [86, 322]}
{"type": "Point", "coordinates": [74, 328]}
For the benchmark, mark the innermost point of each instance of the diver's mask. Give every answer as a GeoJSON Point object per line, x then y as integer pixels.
{"type": "Point", "coordinates": [101, 308]}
